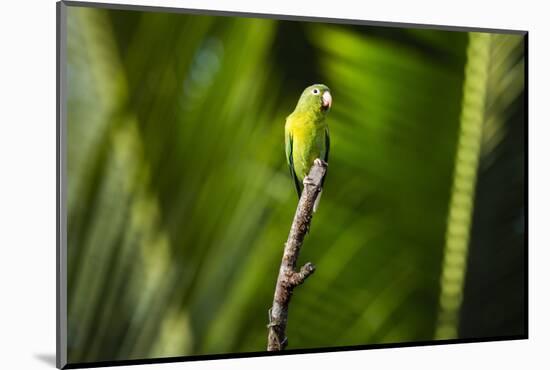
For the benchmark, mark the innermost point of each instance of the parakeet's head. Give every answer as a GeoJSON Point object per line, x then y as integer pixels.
{"type": "Point", "coordinates": [315, 98]}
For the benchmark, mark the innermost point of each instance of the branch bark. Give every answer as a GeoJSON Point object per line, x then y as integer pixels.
{"type": "Point", "coordinates": [289, 278]}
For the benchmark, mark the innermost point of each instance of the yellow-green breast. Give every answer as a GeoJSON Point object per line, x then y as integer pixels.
{"type": "Point", "coordinates": [308, 141]}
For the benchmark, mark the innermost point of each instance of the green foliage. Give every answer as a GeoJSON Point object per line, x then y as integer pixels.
{"type": "Point", "coordinates": [179, 198]}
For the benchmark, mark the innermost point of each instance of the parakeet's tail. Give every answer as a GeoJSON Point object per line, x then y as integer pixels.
{"type": "Point", "coordinates": [316, 204]}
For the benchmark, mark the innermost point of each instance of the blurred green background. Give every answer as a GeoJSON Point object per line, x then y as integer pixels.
{"type": "Point", "coordinates": [179, 197]}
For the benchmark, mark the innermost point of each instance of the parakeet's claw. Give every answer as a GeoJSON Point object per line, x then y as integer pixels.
{"type": "Point", "coordinates": [320, 162]}
{"type": "Point", "coordinates": [308, 181]}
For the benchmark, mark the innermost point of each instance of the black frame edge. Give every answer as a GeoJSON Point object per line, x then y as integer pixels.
{"type": "Point", "coordinates": [526, 177]}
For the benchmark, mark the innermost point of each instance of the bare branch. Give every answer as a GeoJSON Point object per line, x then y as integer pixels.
{"type": "Point", "coordinates": [289, 278]}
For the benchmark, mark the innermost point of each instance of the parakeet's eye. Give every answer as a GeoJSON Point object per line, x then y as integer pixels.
{"type": "Point", "coordinates": [315, 91]}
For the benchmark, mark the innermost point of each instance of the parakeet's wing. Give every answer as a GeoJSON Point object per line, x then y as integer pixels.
{"type": "Point", "coordinates": [288, 150]}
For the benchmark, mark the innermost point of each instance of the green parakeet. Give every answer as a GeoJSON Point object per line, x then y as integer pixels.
{"type": "Point", "coordinates": [306, 133]}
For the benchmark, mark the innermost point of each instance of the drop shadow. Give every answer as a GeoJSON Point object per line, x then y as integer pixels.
{"type": "Point", "coordinates": [47, 358]}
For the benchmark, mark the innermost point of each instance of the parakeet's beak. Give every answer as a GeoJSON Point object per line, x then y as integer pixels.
{"type": "Point", "coordinates": [327, 100]}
